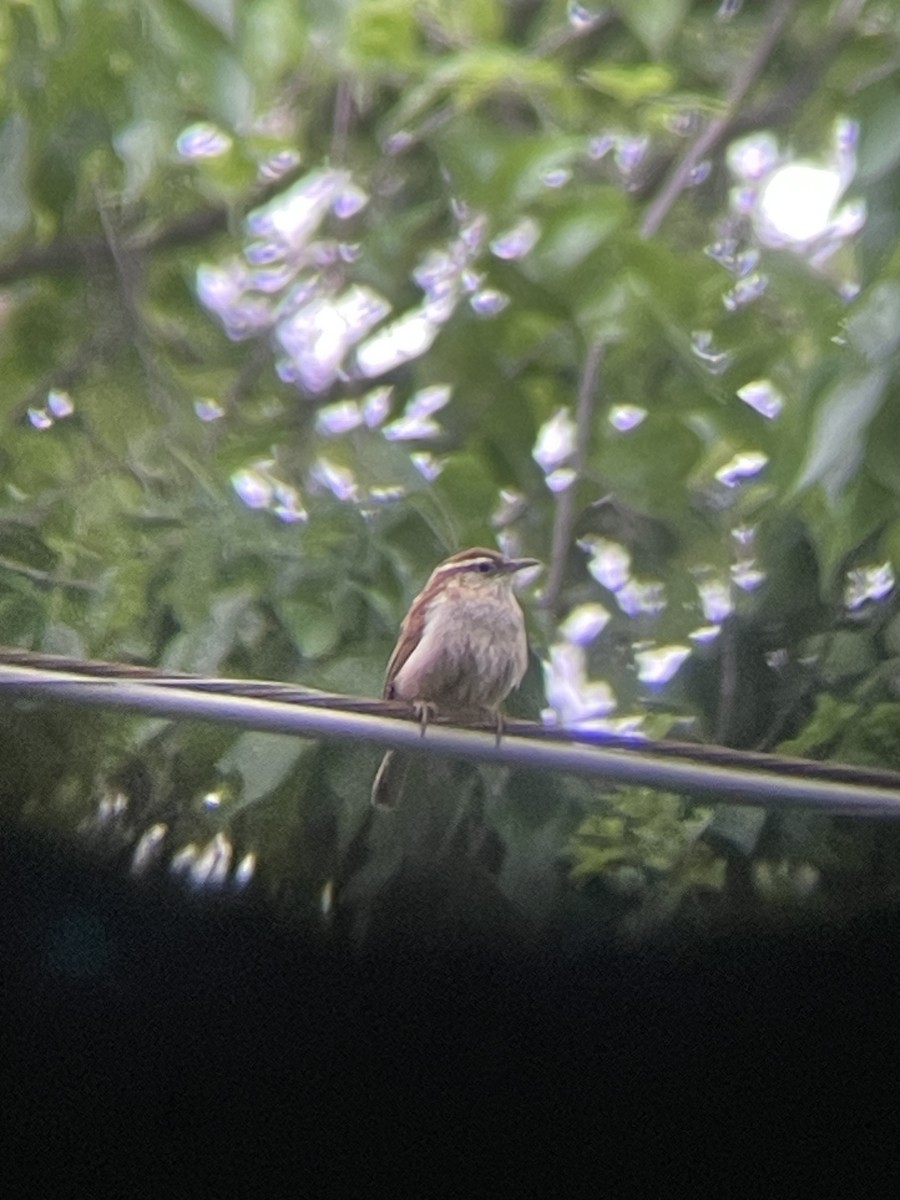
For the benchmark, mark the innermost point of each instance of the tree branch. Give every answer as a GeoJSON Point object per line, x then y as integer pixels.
{"type": "Point", "coordinates": [806, 78]}
{"type": "Point", "coordinates": [68, 254]}
{"type": "Point", "coordinates": [564, 515]}
{"type": "Point", "coordinates": [780, 14]}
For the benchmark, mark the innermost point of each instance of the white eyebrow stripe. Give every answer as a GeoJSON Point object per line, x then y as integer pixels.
{"type": "Point", "coordinates": [453, 568]}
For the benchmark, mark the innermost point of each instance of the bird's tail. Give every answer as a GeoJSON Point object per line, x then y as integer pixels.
{"type": "Point", "coordinates": [389, 780]}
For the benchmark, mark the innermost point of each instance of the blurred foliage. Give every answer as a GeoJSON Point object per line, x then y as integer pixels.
{"type": "Point", "coordinates": [173, 495]}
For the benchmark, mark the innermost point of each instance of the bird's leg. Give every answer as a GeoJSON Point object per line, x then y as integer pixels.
{"type": "Point", "coordinates": [500, 723]}
{"type": "Point", "coordinates": [424, 711]}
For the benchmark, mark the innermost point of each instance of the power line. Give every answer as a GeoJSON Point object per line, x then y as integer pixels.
{"type": "Point", "coordinates": [754, 779]}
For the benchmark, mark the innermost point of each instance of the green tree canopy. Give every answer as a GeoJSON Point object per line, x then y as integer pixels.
{"type": "Point", "coordinates": [298, 298]}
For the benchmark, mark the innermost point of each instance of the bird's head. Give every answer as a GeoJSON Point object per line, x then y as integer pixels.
{"type": "Point", "coordinates": [479, 570]}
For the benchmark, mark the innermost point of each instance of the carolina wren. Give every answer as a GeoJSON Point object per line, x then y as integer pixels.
{"type": "Point", "coordinates": [461, 649]}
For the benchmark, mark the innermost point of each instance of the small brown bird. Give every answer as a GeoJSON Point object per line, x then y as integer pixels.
{"type": "Point", "coordinates": [461, 650]}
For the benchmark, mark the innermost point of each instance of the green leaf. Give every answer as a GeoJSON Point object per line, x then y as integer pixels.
{"type": "Point", "coordinates": [879, 147]}
{"type": "Point", "coordinates": [850, 656]}
{"type": "Point", "coordinates": [735, 829]}
{"type": "Point", "coordinates": [203, 648]}
{"type": "Point", "coordinates": [631, 84]}
{"type": "Point", "coordinates": [575, 261]}
{"type": "Point", "coordinates": [572, 234]}
{"type": "Point", "coordinates": [498, 171]}
{"type": "Point", "coordinates": [63, 639]}
{"type": "Point", "coordinates": [263, 761]}
{"type": "Point", "coordinates": [382, 34]}
{"type": "Point", "coordinates": [827, 722]}
{"type": "Point", "coordinates": [464, 21]}
{"type": "Point", "coordinates": [647, 829]}
{"type": "Point", "coordinates": [838, 432]}
{"type": "Point", "coordinates": [196, 573]}
{"type": "Point", "coordinates": [313, 625]}
{"type": "Point", "coordinates": [220, 13]}
{"type": "Point", "coordinates": [874, 325]}
{"type": "Point", "coordinates": [274, 39]}
{"type": "Point", "coordinates": [873, 737]}
{"type": "Point", "coordinates": [655, 22]}
{"type": "Point", "coordinates": [466, 494]}
{"type": "Point", "coordinates": [471, 76]}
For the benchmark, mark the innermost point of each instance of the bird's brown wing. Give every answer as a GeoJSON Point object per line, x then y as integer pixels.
{"type": "Point", "coordinates": [410, 636]}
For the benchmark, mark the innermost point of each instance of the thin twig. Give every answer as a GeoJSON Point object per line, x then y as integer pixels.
{"type": "Point", "coordinates": [728, 671]}
{"type": "Point", "coordinates": [67, 254]}
{"type": "Point", "coordinates": [127, 261]}
{"type": "Point", "coordinates": [780, 15]}
{"type": "Point", "coordinates": [340, 126]}
{"type": "Point", "coordinates": [806, 78]}
{"type": "Point", "coordinates": [44, 579]}
{"type": "Point", "coordinates": [565, 513]}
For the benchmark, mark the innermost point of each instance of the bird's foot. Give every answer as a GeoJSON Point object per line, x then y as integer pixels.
{"type": "Point", "coordinates": [500, 725]}
{"type": "Point", "coordinates": [424, 711]}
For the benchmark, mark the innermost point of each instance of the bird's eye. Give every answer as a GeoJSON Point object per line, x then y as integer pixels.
{"type": "Point", "coordinates": [484, 566]}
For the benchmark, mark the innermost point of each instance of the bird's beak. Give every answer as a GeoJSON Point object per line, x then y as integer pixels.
{"type": "Point", "coordinates": [520, 564]}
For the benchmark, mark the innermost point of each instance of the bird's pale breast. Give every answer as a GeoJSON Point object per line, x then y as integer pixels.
{"type": "Point", "coordinates": [472, 653]}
